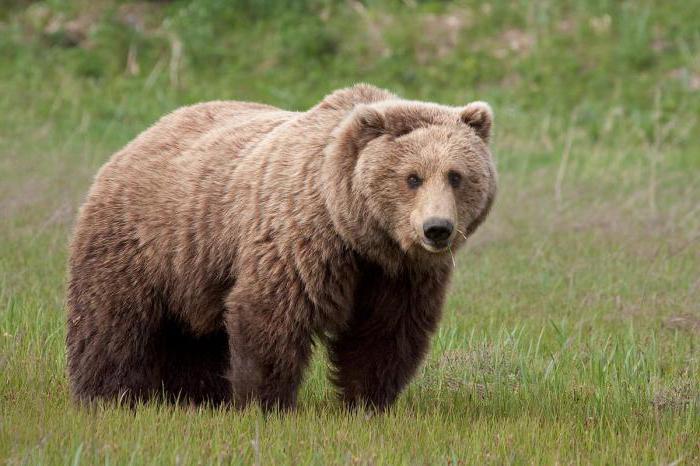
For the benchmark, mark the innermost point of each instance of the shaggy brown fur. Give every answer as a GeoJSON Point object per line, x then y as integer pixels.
{"type": "Point", "coordinates": [214, 248]}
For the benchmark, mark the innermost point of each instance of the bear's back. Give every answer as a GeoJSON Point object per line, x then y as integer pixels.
{"type": "Point", "coordinates": [180, 130]}
{"type": "Point", "coordinates": [154, 210]}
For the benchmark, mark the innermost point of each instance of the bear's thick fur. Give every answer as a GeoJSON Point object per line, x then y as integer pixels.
{"type": "Point", "coordinates": [214, 249]}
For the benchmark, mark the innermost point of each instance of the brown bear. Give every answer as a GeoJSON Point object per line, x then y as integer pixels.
{"type": "Point", "coordinates": [216, 248]}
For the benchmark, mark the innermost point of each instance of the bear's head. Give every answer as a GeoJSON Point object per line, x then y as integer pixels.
{"type": "Point", "coordinates": [419, 174]}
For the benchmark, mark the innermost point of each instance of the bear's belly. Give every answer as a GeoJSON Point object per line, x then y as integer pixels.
{"type": "Point", "coordinates": [200, 309]}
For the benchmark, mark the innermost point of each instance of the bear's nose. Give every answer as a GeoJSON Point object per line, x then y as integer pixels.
{"type": "Point", "coordinates": [437, 229]}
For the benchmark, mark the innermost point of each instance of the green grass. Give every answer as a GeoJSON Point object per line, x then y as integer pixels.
{"type": "Point", "coordinates": [572, 329]}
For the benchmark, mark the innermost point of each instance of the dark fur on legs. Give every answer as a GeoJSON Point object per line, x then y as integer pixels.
{"type": "Point", "coordinates": [108, 360]}
{"type": "Point", "coordinates": [194, 368]}
{"type": "Point", "coordinates": [387, 338]}
{"type": "Point", "coordinates": [147, 360]}
{"type": "Point", "coordinates": [267, 360]}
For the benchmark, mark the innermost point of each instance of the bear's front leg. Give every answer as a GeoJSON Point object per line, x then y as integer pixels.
{"type": "Point", "coordinates": [270, 344]}
{"type": "Point", "coordinates": [388, 336]}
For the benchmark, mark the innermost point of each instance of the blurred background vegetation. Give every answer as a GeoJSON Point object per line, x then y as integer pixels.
{"type": "Point", "coordinates": [532, 59]}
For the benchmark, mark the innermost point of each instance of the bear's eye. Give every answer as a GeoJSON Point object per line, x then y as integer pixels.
{"type": "Point", "coordinates": [413, 181]}
{"type": "Point", "coordinates": [454, 178]}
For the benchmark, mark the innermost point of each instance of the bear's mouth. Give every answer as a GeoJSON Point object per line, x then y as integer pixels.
{"type": "Point", "coordinates": [435, 247]}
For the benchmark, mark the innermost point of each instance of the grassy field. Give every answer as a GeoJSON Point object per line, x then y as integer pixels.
{"type": "Point", "coordinates": [572, 329]}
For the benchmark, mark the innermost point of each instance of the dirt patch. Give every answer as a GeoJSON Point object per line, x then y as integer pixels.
{"type": "Point", "coordinates": [442, 34]}
{"type": "Point", "coordinates": [690, 78]}
{"type": "Point", "coordinates": [58, 29]}
{"type": "Point", "coordinates": [22, 196]}
{"type": "Point", "coordinates": [682, 394]}
{"type": "Point", "coordinates": [514, 42]}
{"type": "Point", "coordinates": [438, 34]}
{"type": "Point", "coordinates": [474, 370]}
{"type": "Point", "coordinates": [683, 322]}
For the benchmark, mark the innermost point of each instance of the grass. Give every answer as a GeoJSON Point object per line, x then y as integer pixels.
{"type": "Point", "coordinates": [572, 329]}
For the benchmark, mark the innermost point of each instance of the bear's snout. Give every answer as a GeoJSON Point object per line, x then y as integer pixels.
{"type": "Point", "coordinates": [438, 230]}
{"type": "Point", "coordinates": [437, 233]}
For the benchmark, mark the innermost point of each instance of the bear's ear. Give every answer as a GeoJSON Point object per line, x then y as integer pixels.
{"type": "Point", "coordinates": [367, 124]}
{"type": "Point", "coordinates": [479, 116]}
{"type": "Point", "coordinates": [362, 124]}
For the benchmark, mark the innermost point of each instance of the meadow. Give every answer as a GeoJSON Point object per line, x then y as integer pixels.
{"type": "Point", "coordinates": [572, 328]}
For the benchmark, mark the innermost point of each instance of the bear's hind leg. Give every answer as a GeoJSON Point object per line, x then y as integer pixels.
{"type": "Point", "coordinates": [112, 362]}
{"type": "Point", "coordinates": [195, 367]}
